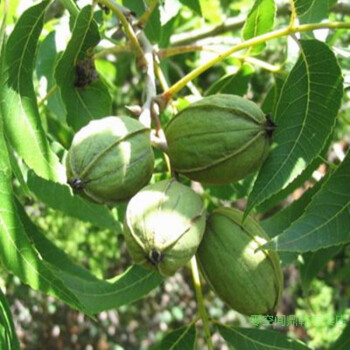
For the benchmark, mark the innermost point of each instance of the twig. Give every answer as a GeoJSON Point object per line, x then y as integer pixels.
{"type": "Point", "coordinates": [160, 74]}
{"type": "Point", "coordinates": [262, 64]}
{"type": "Point", "coordinates": [177, 50]}
{"type": "Point", "coordinates": [172, 51]}
{"type": "Point", "coordinates": [48, 95]}
{"type": "Point", "coordinates": [112, 50]}
{"type": "Point", "coordinates": [235, 23]}
{"type": "Point", "coordinates": [129, 31]}
{"type": "Point", "coordinates": [151, 91]}
{"type": "Point", "coordinates": [243, 45]}
{"type": "Point", "coordinates": [192, 36]}
{"type": "Point", "coordinates": [193, 89]}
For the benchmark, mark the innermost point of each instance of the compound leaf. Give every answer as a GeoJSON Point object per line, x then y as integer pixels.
{"type": "Point", "coordinates": [94, 295]}
{"type": "Point", "coordinates": [326, 221]}
{"type": "Point", "coordinates": [60, 197]}
{"type": "Point", "coordinates": [305, 117]}
{"type": "Point", "coordinates": [17, 96]}
{"type": "Point", "coordinates": [17, 253]}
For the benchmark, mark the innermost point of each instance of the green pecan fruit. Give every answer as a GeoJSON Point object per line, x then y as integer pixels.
{"type": "Point", "coordinates": [164, 224]}
{"type": "Point", "coordinates": [110, 159]}
{"type": "Point", "coordinates": [247, 280]}
{"type": "Point", "coordinates": [219, 139]}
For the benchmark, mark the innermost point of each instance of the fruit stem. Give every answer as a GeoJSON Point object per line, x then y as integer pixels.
{"type": "Point", "coordinates": [202, 312]}
{"type": "Point", "coordinates": [48, 95]}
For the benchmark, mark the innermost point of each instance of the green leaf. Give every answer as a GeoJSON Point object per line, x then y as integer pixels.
{"type": "Point", "coordinates": [258, 339]}
{"type": "Point", "coordinates": [298, 181]}
{"type": "Point", "coordinates": [8, 337]}
{"type": "Point", "coordinates": [211, 10]}
{"type": "Point", "coordinates": [270, 102]}
{"type": "Point", "coordinates": [166, 33]}
{"type": "Point", "coordinates": [4, 10]}
{"type": "Point", "coordinates": [60, 131]}
{"type": "Point", "coordinates": [45, 67]}
{"type": "Point", "coordinates": [168, 9]}
{"type": "Point", "coordinates": [305, 117]}
{"type": "Point", "coordinates": [277, 223]}
{"type": "Point", "coordinates": [95, 295]}
{"type": "Point", "coordinates": [193, 5]}
{"type": "Point", "coordinates": [153, 27]}
{"type": "Point", "coordinates": [235, 84]}
{"type": "Point", "coordinates": [343, 342]}
{"type": "Point", "coordinates": [326, 221]}
{"type": "Point", "coordinates": [17, 172]}
{"type": "Point", "coordinates": [233, 191]}
{"type": "Point", "coordinates": [17, 254]}
{"type": "Point", "coordinates": [91, 101]}
{"type": "Point", "coordinates": [260, 21]}
{"type": "Point", "coordinates": [60, 197]}
{"type": "Point", "coordinates": [17, 97]}
{"type": "Point", "coordinates": [183, 338]}
{"type": "Point", "coordinates": [312, 11]}
{"type": "Point", "coordinates": [302, 6]}
{"type": "Point", "coordinates": [137, 6]}
{"type": "Point", "coordinates": [313, 263]}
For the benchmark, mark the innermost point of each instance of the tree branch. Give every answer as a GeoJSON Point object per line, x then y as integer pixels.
{"type": "Point", "coordinates": [129, 31]}
{"type": "Point", "coordinates": [235, 23]}
{"type": "Point", "coordinates": [243, 45]}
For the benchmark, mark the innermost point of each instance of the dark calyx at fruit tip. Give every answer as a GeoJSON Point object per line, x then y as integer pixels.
{"type": "Point", "coordinates": [270, 126]}
{"type": "Point", "coordinates": [76, 184]}
{"type": "Point", "coordinates": [155, 257]}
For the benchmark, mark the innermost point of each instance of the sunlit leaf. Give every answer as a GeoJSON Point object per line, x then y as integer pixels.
{"type": "Point", "coordinates": [326, 221]}
{"type": "Point", "coordinates": [194, 5]}
{"type": "Point", "coordinates": [17, 253]}
{"type": "Point", "coordinates": [18, 100]}
{"type": "Point", "coordinates": [211, 10]}
{"type": "Point", "coordinates": [298, 182]}
{"type": "Point", "coordinates": [60, 197]}
{"type": "Point", "coordinates": [260, 20]}
{"type": "Point", "coordinates": [305, 117]}
{"type": "Point", "coordinates": [8, 337]}
{"type": "Point", "coordinates": [95, 295]}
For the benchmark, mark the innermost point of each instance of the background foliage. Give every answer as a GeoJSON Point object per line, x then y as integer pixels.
{"type": "Point", "coordinates": [84, 292]}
